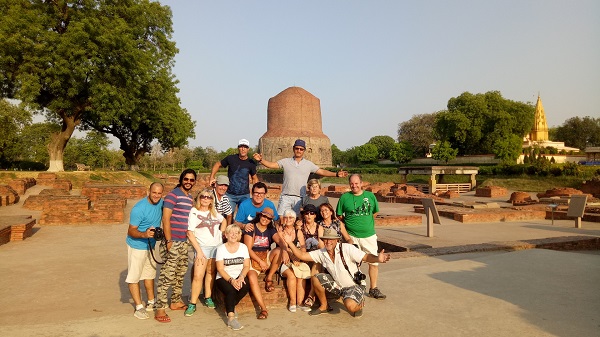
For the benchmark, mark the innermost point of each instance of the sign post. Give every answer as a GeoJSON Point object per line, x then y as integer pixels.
{"type": "Point", "coordinates": [431, 214]}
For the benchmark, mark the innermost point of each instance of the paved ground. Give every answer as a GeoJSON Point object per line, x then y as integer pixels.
{"type": "Point", "coordinates": [69, 281]}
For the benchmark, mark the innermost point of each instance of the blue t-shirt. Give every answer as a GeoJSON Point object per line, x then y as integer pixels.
{"type": "Point", "coordinates": [247, 211]}
{"type": "Point", "coordinates": [239, 172]}
{"type": "Point", "coordinates": [143, 216]}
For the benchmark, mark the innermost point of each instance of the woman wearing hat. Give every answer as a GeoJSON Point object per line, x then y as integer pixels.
{"type": "Point", "coordinates": [292, 269]}
{"type": "Point", "coordinates": [259, 240]}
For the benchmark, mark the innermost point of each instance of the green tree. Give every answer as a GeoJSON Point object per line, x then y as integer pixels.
{"type": "Point", "coordinates": [442, 151]}
{"type": "Point", "coordinates": [13, 120]}
{"type": "Point", "coordinates": [579, 132]}
{"type": "Point", "coordinates": [367, 153]}
{"type": "Point", "coordinates": [508, 149]}
{"type": "Point", "coordinates": [34, 140]}
{"type": "Point", "coordinates": [402, 152]}
{"type": "Point", "coordinates": [104, 63]}
{"type": "Point", "coordinates": [474, 123]}
{"type": "Point", "coordinates": [384, 145]}
{"type": "Point", "coordinates": [337, 156]}
{"type": "Point", "coordinates": [419, 132]}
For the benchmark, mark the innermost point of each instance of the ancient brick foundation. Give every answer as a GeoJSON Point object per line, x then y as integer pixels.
{"type": "Point", "coordinates": [491, 192]}
{"type": "Point", "coordinates": [592, 187]}
{"type": "Point", "coordinates": [16, 228]}
{"type": "Point", "coordinates": [50, 179]}
{"type": "Point", "coordinates": [21, 185]}
{"type": "Point", "coordinates": [521, 198]}
{"type": "Point", "coordinates": [8, 196]}
{"type": "Point", "coordinates": [79, 210]}
{"type": "Point", "coordinates": [95, 191]}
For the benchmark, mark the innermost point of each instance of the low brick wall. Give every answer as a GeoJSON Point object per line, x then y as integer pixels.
{"type": "Point", "coordinates": [387, 220]}
{"type": "Point", "coordinates": [95, 191]}
{"type": "Point", "coordinates": [469, 215]}
{"type": "Point", "coordinates": [22, 185]}
{"type": "Point", "coordinates": [16, 228]}
{"type": "Point", "coordinates": [491, 192]}
{"type": "Point", "coordinates": [79, 210]}
{"type": "Point", "coordinates": [50, 179]}
{"type": "Point", "coordinates": [8, 196]}
{"type": "Point", "coordinates": [562, 215]}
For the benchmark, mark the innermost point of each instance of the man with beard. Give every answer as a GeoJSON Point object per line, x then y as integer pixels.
{"type": "Point", "coordinates": [176, 209]}
{"type": "Point", "coordinates": [145, 217]}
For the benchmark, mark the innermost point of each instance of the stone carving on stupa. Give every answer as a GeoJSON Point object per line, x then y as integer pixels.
{"type": "Point", "coordinates": [295, 114]}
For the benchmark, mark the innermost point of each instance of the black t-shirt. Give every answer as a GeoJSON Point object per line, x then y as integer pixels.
{"type": "Point", "coordinates": [238, 172]}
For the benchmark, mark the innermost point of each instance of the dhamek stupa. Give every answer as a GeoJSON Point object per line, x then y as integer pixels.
{"type": "Point", "coordinates": [295, 113]}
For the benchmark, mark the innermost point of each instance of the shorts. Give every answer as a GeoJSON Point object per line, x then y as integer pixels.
{"type": "Point", "coordinates": [139, 265]}
{"type": "Point", "coordinates": [367, 245]}
{"type": "Point", "coordinates": [355, 292]}
{"type": "Point", "coordinates": [209, 251]}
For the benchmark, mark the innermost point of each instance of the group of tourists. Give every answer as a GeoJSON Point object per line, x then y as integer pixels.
{"type": "Point", "coordinates": [237, 235]}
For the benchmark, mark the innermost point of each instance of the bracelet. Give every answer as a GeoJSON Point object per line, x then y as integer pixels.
{"type": "Point", "coordinates": [337, 174]}
{"type": "Point", "coordinates": [230, 279]}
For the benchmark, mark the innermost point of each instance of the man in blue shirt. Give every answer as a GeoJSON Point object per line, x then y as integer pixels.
{"type": "Point", "coordinates": [249, 207]}
{"type": "Point", "coordinates": [145, 216]}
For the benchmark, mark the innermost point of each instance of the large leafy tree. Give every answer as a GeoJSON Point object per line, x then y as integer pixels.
{"type": "Point", "coordinates": [384, 145]}
{"type": "Point", "coordinates": [104, 63]}
{"type": "Point", "coordinates": [367, 153]}
{"type": "Point", "coordinates": [579, 132]}
{"type": "Point", "coordinates": [13, 120]}
{"type": "Point", "coordinates": [419, 132]}
{"type": "Point", "coordinates": [443, 151]}
{"type": "Point", "coordinates": [402, 152]}
{"type": "Point", "coordinates": [481, 123]}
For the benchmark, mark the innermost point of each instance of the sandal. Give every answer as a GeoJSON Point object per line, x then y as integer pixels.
{"type": "Point", "coordinates": [163, 319]}
{"type": "Point", "coordinates": [309, 301]}
{"type": "Point", "coordinates": [178, 306]}
{"type": "Point", "coordinates": [269, 286]}
{"type": "Point", "coordinates": [263, 315]}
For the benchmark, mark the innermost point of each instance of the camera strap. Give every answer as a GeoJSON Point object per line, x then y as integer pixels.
{"type": "Point", "coordinates": [344, 261]}
{"type": "Point", "coordinates": [151, 249]}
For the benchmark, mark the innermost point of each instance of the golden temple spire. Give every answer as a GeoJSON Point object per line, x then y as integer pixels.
{"type": "Point", "coordinates": [540, 127]}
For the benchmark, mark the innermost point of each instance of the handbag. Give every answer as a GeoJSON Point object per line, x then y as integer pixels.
{"type": "Point", "coordinates": [261, 255]}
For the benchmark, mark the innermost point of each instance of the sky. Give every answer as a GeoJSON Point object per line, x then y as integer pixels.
{"type": "Point", "coordinates": [374, 64]}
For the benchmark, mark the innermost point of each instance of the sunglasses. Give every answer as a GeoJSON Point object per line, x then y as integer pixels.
{"type": "Point", "coordinates": [205, 196]}
{"type": "Point", "coordinates": [267, 217]}
{"type": "Point", "coordinates": [298, 149]}
{"type": "Point", "coordinates": [191, 180]}
{"type": "Point", "coordinates": [310, 213]}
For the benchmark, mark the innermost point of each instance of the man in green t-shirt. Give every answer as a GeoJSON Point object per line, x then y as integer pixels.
{"type": "Point", "coordinates": [357, 209]}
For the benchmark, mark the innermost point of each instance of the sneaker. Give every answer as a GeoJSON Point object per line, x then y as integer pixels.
{"type": "Point", "coordinates": [234, 325]}
{"type": "Point", "coordinates": [303, 308]}
{"type": "Point", "coordinates": [191, 309]}
{"type": "Point", "coordinates": [150, 307]}
{"type": "Point", "coordinates": [375, 293]}
{"type": "Point", "coordinates": [358, 314]}
{"type": "Point", "coordinates": [209, 302]}
{"type": "Point", "coordinates": [141, 314]}
{"type": "Point", "coordinates": [292, 308]}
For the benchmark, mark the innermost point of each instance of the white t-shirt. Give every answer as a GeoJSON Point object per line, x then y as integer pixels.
{"type": "Point", "coordinates": [206, 227]}
{"type": "Point", "coordinates": [234, 262]}
{"type": "Point", "coordinates": [336, 269]}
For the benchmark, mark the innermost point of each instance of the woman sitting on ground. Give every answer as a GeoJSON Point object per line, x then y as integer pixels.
{"type": "Point", "coordinates": [233, 264]}
{"type": "Point", "coordinates": [329, 220]}
{"type": "Point", "coordinates": [313, 195]}
{"type": "Point", "coordinates": [259, 241]}
{"type": "Point", "coordinates": [292, 269]}
{"type": "Point", "coordinates": [205, 227]}
{"type": "Point", "coordinates": [310, 230]}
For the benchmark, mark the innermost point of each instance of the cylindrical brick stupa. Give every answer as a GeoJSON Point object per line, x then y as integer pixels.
{"type": "Point", "coordinates": [295, 113]}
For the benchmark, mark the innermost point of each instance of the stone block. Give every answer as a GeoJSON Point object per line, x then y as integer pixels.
{"type": "Point", "coordinates": [8, 196]}
{"type": "Point", "coordinates": [491, 192]}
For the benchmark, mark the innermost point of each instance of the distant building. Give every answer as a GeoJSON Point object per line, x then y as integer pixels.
{"type": "Point", "coordinates": [295, 113]}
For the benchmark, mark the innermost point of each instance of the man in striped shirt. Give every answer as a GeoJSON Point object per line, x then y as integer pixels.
{"type": "Point", "coordinates": [176, 209]}
{"type": "Point", "coordinates": [221, 200]}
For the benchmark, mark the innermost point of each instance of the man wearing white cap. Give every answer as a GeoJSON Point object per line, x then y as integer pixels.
{"type": "Point", "coordinates": [241, 171]}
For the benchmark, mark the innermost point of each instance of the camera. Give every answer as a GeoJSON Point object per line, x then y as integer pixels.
{"type": "Point", "coordinates": [159, 234]}
{"type": "Point", "coordinates": [359, 277]}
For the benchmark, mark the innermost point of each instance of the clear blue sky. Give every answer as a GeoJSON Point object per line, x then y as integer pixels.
{"type": "Point", "coordinates": [374, 64]}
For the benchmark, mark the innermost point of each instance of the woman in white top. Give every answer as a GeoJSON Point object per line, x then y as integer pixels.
{"type": "Point", "coordinates": [233, 264]}
{"type": "Point", "coordinates": [205, 227]}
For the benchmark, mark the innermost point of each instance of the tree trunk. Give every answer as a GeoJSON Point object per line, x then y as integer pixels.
{"type": "Point", "coordinates": [58, 142]}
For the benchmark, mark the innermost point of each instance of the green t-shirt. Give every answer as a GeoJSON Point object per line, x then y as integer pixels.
{"type": "Point", "coordinates": [358, 213]}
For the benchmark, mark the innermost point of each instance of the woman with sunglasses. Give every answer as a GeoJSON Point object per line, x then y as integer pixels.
{"type": "Point", "coordinates": [310, 230]}
{"type": "Point", "coordinates": [205, 227]}
{"type": "Point", "coordinates": [329, 220]}
{"type": "Point", "coordinates": [259, 241]}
